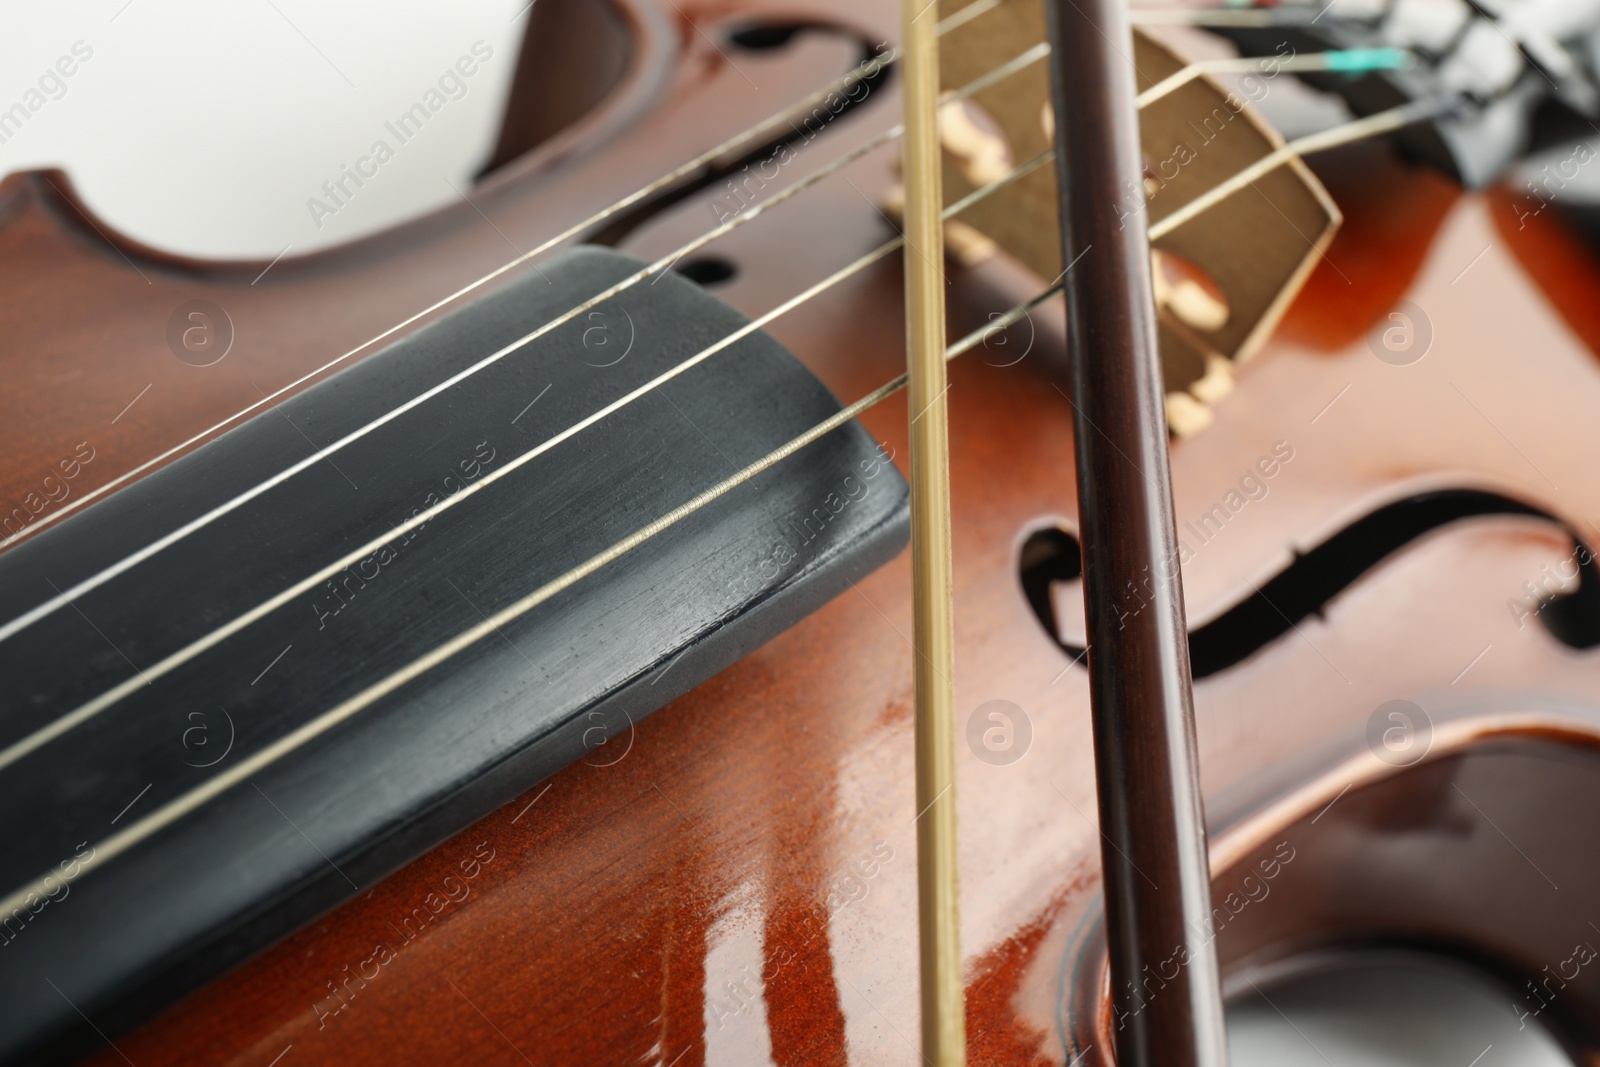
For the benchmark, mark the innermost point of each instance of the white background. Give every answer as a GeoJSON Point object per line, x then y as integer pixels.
{"type": "Point", "coordinates": [204, 127]}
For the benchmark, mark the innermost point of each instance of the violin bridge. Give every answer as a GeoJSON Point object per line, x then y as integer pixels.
{"type": "Point", "coordinates": [1222, 280]}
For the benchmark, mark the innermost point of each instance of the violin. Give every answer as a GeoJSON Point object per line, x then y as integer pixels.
{"type": "Point", "coordinates": [629, 647]}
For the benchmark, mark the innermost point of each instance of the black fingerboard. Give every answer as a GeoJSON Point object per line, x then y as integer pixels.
{"type": "Point", "coordinates": [338, 812]}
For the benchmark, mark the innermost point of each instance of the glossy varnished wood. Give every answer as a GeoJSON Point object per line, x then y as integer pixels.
{"type": "Point", "coordinates": [730, 839]}
{"type": "Point", "coordinates": [734, 883]}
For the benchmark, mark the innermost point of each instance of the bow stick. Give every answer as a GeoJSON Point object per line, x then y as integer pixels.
{"type": "Point", "coordinates": [1153, 841]}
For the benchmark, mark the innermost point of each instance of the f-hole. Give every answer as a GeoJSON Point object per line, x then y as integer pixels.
{"type": "Point", "coordinates": [708, 271]}
{"type": "Point", "coordinates": [1049, 554]}
{"type": "Point", "coordinates": [1315, 577]}
{"type": "Point", "coordinates": [759, 37]}
{"type": "Point", "coordinates": [763, 37]}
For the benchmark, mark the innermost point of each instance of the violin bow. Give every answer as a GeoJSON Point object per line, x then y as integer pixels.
{"type": "Point", "coordinates": [1153, 840]}
{"type": "Point", "coordinates": [933, 633]}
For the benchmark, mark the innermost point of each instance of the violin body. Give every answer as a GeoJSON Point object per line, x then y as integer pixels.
{"type": "Point", "coordinates": [736, 884]}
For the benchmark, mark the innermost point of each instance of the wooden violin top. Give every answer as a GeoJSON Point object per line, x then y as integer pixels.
{"type": "Point", "coordinates": [738, 887]}
{"type": "Point", "coordinates": [734, 883]}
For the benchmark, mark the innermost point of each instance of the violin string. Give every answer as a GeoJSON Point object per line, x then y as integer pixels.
{"type": "Point", "coordinates": [1345, 133]}
{"type": "Point", "coordinates": [966, 15]}
{"type": "Point", "coordinates": [1343, 61]}
{"type": "Point", "coordinates": [65, 598]}
{"type": "Point", "coordinates": [187, 802]}
{"type": "Point", "coordinates": [141, 678]}
{"type": "Point", "coordinates": [89, 709]}
{"type": "Point", "coordinates": [732, 146]}
{"type": "Point", "coordinates": [1218, 16]}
